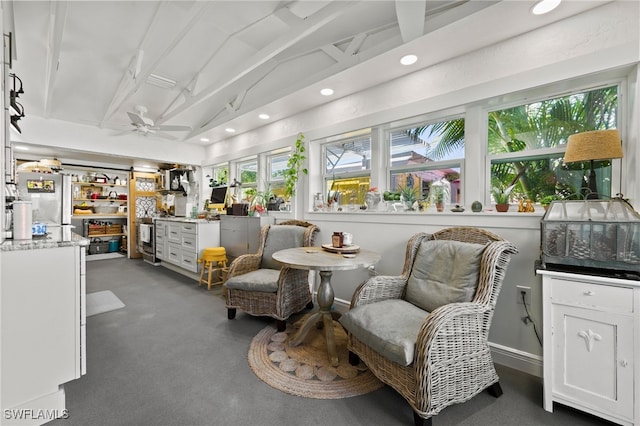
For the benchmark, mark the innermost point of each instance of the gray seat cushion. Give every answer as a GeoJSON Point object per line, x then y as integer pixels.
{"type": "Point", "coordinates": [444, 271]}
{"type": "Point", "coordinates": [390, 327]}
{"type": "Point", "coordinates": [262, 280]}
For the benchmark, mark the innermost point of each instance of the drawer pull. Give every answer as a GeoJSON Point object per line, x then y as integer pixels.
{"type": "Point", "coordinates": [589, 293]}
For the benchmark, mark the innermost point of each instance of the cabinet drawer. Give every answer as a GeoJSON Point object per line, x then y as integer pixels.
{"type": "Point", "coordinates": [189, 242]}
{"type": "Point", "coordinates": [174, 254]}
{"type": "Point", "coordinates": [617, 299]}
{"type": "Point", "coordinates": [189, 261]}
{"type": "Point", "coordinates": [189, 228]}
{"type": "Point", "coordinates": [160, 251]}
{"type": "Point", "coordinates": [174, 232]}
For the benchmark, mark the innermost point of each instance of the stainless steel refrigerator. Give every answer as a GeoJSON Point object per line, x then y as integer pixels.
{"type": "Point", "coordinates": [50, 195]}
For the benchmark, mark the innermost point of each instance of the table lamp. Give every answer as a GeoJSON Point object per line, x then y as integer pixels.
{"type": "Point", "coordinates": [590, 146]}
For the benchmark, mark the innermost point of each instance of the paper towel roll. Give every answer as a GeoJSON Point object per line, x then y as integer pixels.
{"type": "Point", "coordinates": [22, 218]}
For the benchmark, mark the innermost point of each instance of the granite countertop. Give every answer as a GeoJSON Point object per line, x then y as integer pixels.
{"type": "Point", "coordinates": [57, 236]}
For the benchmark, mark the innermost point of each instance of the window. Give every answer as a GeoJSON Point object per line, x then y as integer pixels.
{"type": "Point", "coordinates": [277, 163]}
{"type": "Point", "coordinates": [248, 172]}
{"type": "Point", "coordinates": [526, 144]}
{"type": "Point", "coordinates": [426, 158]}
{"type": "Point", "coordinates": [347, 170]}
{"type": "Point", "coordinates": [219, 175]}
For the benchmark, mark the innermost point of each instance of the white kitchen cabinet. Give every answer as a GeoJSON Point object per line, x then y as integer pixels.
{"type": "Point", "coordinates": [43, 330]}
{"type": "Point", "coordinates": [179, 242]}
{"type": "Point", "coordinates": [591, 330]}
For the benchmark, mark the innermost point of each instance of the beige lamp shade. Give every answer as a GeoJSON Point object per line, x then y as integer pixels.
{"type": "Point", "coordinates": [594, 145]}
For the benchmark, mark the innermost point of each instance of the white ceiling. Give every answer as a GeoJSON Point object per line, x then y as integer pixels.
{"type": "Point", "coordinates": [88, 62]}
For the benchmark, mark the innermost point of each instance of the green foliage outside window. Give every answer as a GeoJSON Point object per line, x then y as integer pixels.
{"type": "Point", "coordinates": [548, 124]}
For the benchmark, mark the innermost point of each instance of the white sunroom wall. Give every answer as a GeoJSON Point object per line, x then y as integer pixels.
{"type": "Point", "coordinates": [602, 39]}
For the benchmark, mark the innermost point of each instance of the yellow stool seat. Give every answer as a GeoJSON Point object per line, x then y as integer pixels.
{"type": "Point", "coordinates": [213, 259]}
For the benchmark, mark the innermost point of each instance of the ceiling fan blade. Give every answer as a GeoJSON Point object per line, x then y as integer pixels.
{"type": "Point", "coordinates": [171, 128]}
{"type": "Point", "coordinates": [136, 119]}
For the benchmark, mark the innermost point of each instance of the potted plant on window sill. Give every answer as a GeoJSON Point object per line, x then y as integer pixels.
{"type": "Point", "coordinates": [408, 196]}
{"type": "Point", "coordinates": [548, 199]}
{"type": "Point", "coordinates": [438, 194]}
{"type": "Point", "coordinates": [292, 172]}
{"type": "Point", "coordinates": [502, 196]}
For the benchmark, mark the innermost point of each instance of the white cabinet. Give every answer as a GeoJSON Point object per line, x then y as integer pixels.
{"type": "Point", "coordinates": [43, 329]}
{"type": "Point", "coordinates": [180, 243]}
{"type": "Point", "coordinates": [592, 345]}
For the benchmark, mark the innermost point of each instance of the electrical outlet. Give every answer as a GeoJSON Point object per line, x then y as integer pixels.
{"type": "Point", "coordinates": [527, 294]}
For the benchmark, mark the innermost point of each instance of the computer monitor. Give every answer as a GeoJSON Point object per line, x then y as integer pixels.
{"type": "Point", "coordinates": [218, 197]}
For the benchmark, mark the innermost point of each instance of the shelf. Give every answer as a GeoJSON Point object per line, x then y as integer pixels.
{"type": "Point", "coordinates": [106, 235]}
{"type": "Point", "coordinates": [99, 184]}
{"type": "Point", "coordinates": [113, 200]}
{"type": "Point", "coordinates": [118, 215]}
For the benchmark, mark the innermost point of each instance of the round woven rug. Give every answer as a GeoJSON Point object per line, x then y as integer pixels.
{"type": "Point", "coordinates": [305, 370]}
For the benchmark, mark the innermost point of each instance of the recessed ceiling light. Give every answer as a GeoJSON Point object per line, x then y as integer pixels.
{"type": "Point", "coordinates": [229, 130]}
{"type": "Point", "coordinates": [264, 116]}
{"type": "Point", "coordinates": [326, 92]}
{"type": "Point", "coordinates": [204, 139]}
{"type": "Point", "coordinates": [544, 6]}
{"type": "Point", "coordinates": [408, 59]}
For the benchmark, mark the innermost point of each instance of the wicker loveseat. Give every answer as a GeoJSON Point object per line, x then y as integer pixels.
{"type": "Point", "coordinates": [261, 286]}
{"type": "Point", "coordinates": [419, 336]}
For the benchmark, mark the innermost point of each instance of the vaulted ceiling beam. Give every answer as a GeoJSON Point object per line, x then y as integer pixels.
{"type": "Point", "coordinates": [411, 16]}
{"type": "Point", "coordinates": [57, 19]}
{"type": "Point", "coordinates": [127, 90]}
{"type": "Point", "coordinates": [298, 31]}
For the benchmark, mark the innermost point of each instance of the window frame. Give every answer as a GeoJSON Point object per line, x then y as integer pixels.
{"type": "Point", "coordinates": [527, 97]}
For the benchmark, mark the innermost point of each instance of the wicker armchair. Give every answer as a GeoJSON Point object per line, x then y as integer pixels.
{"type": "Point", "coordinates": [260, 286]}
{"type": "Point", "coordinates": [442, 356]}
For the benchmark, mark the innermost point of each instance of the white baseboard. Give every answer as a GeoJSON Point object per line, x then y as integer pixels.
{"type": "Point", "coordinates": [503, 355]}
{"type": "Point", "coordinates": [517, 359]}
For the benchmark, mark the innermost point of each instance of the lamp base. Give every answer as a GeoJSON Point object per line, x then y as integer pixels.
{"type": "Point", "coordinates": [593, 187]}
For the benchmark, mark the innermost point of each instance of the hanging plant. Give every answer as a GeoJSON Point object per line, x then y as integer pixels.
{"type": "Point", "coordinates": [294, 167]}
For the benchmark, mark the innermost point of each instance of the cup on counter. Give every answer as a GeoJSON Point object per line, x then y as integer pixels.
{"type": "Point", "coordinates": [347, 238]}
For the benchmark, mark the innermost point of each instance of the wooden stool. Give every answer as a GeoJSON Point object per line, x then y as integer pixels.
{"type": "Point", "coordinates": [213, 259]}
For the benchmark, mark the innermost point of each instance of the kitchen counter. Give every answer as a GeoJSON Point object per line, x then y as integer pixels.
{"type": "Point", "coordinates": [57, 236]}
{"type": "Point", "coordinates": [184, 219]}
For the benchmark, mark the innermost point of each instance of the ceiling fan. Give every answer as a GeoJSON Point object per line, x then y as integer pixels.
{"type": "Point", "coordinates": [145, 126]}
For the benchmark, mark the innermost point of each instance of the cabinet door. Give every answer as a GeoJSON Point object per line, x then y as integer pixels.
{"type": "Point", "coordinates": [233, 235]}
{"type": "Point", "coordinates": [593, 358]}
